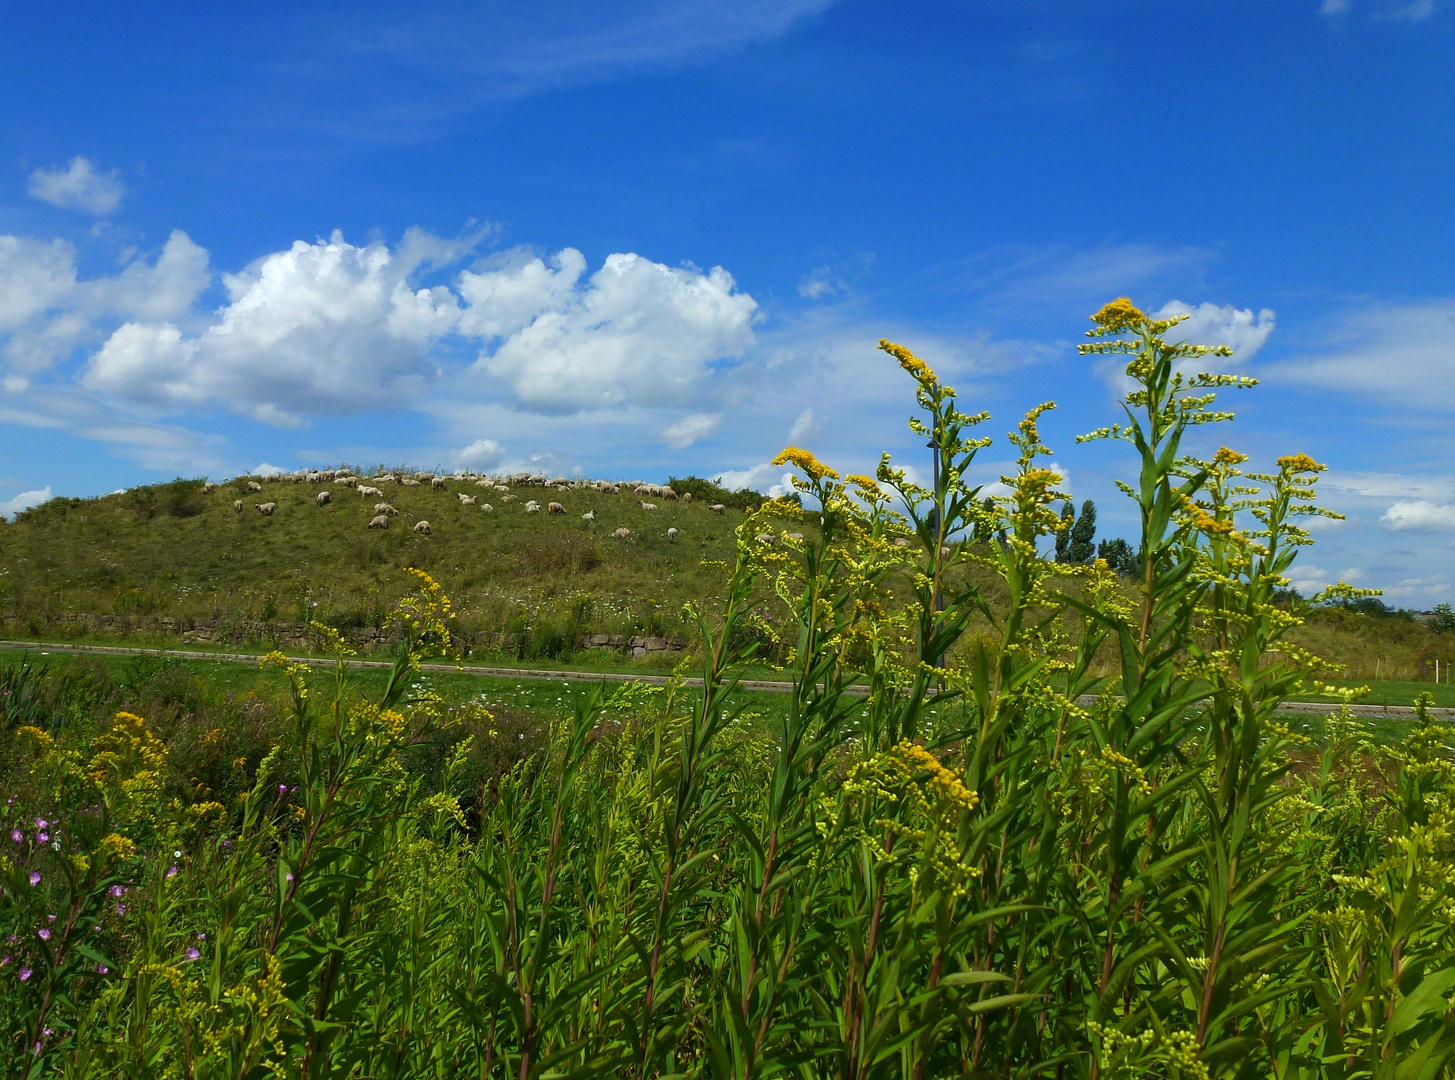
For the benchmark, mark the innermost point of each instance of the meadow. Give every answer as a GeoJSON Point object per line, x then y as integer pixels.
{"type": "Point", "coordinates": [927, 860]}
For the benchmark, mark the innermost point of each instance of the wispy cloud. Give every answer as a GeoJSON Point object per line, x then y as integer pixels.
{"type": "Point", "coordinates": [24, 501]}
{"type": "Point", "coordinates": [78, 186]}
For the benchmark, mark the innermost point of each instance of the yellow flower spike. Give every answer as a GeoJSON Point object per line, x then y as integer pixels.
{"type": "Point", "coordinates": [815, 469]}
{"type": "Point", "coordinates": [909, 361]}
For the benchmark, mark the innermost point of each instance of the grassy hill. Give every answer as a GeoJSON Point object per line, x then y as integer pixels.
{"type": "Point", "coordinates": [181, 553]}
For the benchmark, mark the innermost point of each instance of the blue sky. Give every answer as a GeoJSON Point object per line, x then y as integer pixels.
{"type": "Point", "coordinates": [653, 238]}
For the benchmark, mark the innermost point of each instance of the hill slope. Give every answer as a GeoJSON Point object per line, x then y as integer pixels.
{"type": "Point", "coordinates": [181, 551]}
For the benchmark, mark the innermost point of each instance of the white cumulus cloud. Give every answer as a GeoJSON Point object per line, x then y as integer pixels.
{"type": "Point", "coordinates": [1419, 514]}
{"type": "Point", "coordinates": [326, 327]}
{"type": "Point", "coordinates": [637, 333]}
{"type": "Point", "coordinates": [1220, 324]}
{"type": "Point", "coordinates": [264, 469]}
{"type": "Point", "coordinates": [25, 500]}
{"type": "Point", "coordinates": [770, 480]}
{"type": "Point", "coordinates": [688, 430]}
{"type": "Point", "coordinates": [78, 186]}
{"type": "Point", "coordinates": [480, 454]}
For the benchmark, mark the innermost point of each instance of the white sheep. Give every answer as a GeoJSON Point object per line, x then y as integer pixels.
{"type": "Point", "coordinates": [486, 483]}
{"type": "Point", "coordinates": [649, 506]}
{"type": "Point", "coordinates": [437, 482]}
{"type": "Point", "coordinates": [901, 542]}
{"type": "Point", "coordinates": [424, 476]}
{"type": "Point", "coordinates": [253, 485]}
{"type": "Point", "coordinates": [622, 534]}
{"type": "Point", "coordinates": [487, 507]}
{"type": "Point", "coordinates": [409, 481]}
{"type": "Point", "coordinates": [237, 504]}
{"type": "Point", "coordinates": [555, 508]}
{"type": "Point", "coordinates": [422, 527]}
{"type": "Point", "coordinates": [466, 500]}
{"type": "Point", "coordinates": [532, 507]}
{"type": "Point", "coordinates": [718, 508]}
{"type": "Point", "coordinates": [666, 492]}
{"type": "Point", "coordinates": [590, 515]}
{"type": "Point", "coordinates": [796, 537]}
{"type": "Point", "coordinates": [266, 509]}
{"type": "Point", "coordinates": [380, 521]}
{"type": "Point", "coordinates": [324, 498]}
{"type": "Point", "coordinates": [671, 536]}
{"type": "Point", "coordinates": [348, 481]}
{"type": "Point", "coordinates": [507, 498]}
{"type": "Point", "coordinates": [208, 485]}
{"type": "Point", "coordinates": [687, 496]}
{"type": "Point", "coordinates": [764, 538]}
{"type": "Point", "coordinates": [384, 508]}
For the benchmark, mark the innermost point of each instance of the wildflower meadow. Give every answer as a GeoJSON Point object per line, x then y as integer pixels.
{"type": "Point", "coordinates": [951, 854]}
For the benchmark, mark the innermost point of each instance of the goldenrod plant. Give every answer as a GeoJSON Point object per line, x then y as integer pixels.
{"type": "Point", "coordinates": [1016, 818]}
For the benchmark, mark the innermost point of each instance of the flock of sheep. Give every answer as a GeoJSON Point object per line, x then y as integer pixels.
{"type": "Point", "coordinates": [493, 486]}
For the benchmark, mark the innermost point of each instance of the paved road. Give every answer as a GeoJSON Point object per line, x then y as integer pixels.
{"type": "Point", "coordinates": [1300, 707]}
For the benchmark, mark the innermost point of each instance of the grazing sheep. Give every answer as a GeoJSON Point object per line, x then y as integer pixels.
{"type": "Point", "coordinates": [366, 490]}
{"type": "Point", "coordinates": [559, 481]}
{"type": "Point", "coordinates": [466, 500]}
{"type": "Point", "coordinates": [380, 521]}
{"type": "Point", "coordinates": [208, 485]}
{"type": "Point", "coordinates": [590, 515]}
{"type": "Point", "coordinates": [486, 483]}
{"type": "Point", "coordinates": [348, 481]}
{"type": "Point", "coordinates": [237, 504]}
{"type": "Point", "coordinates": [385, 477]}
{"type": "Point", "coordinates": [422, 527]}
{"type": "Point", "coordinates": [798, 537]}
{"type": "Point", "coordinates": [436, 482]}
{"type": "Point", "coordinates": [507, 498]}
{"type": "Point", "coordinates": [532, 507]}
{"type": "Point", "coordinates": [764, 538]}
{"type": "Point", "coordinates": [687, 496]}
{"type": "Point", "coordinates": [649, 506]}
{"type": "Point", "coordinates": [718, 508]}
{"type": "Point", "coordinates": [487, 507]}
{"type": "Point", "coordinates": [324, 498]}
{"type": "Point", "coordinates": [424, 476]}
{"type": "Point", "coordinates": [555, 508]}
{"type": "Point", "coordinates": [266, 509]}
{"type": "Point", "coordinates": [945, 553]}
{"type": "Point", "coordinates": [666, 492]}
{"type": "Point", "coordinates": [671, 536]}
{"type": "Point", "coordinates": [253, 485]}
{"type": "Point", "coordinates": [901, 542]}
{"type": "Point", "coordinates": [622, 534]}
{"type": "Point", "coordinates": [384, 508]}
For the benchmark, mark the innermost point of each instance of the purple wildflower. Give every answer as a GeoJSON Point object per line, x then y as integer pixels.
{"type": "Point", "coordinates": [287, 877]}
{"type": "Point", "coordinates": [35, 877]}
{"type": "Point", "coordinates": [120, 909]}
{"type": "Point", "coordinates": [4, 961]}
{"type": "Point", "coordinates": [41, 823]}
{"type": "Point", "coordinates": [172, 872]}
{"type": "Point", "coordinates": [45, 933]}
{"type": "Point", "coordinates": [17, 836]}
{"type": "Point", "coordinates": [42, 838]}
{"type": "Point", "coordinates": [25, 973]}
{"type": "Point", "coordinates": [282, 789]}
{"type": "Point", "coordinates": [101, 969]}
{"type": "Point", "coordinates": [193, 954]}
{"type": "Point", "coordinates": [117, 890]}
{"type": "Point", "coordinates": [201, 936]}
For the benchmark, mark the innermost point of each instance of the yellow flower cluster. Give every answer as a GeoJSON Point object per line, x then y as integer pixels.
{"type": "Point", "coordinates": [1300, 463]}
{"type": "Point", "coordinates": [1225, 456]}
{"type": "Point", "coordinates": [942, 781]}
{"type": "Point", "coordinates": [816, 469]}
{"type": "Point", "coordinates": [1119, 315]}
{"type": "Point", "coordinates": [909, 361]}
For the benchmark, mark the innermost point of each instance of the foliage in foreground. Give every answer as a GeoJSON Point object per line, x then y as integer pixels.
{"type": "Point", "coordinates": [919, 872]}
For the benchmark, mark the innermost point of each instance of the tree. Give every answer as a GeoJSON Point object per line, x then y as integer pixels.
{"type": "Point", "coordinates": [1083, 535]}
{"type": "Point", "coordinates": [1442, 618]}
{"type": "Point", "coordinates": [1120, 556]}
{"type": "Point", "coordinates": [1063, 535]}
